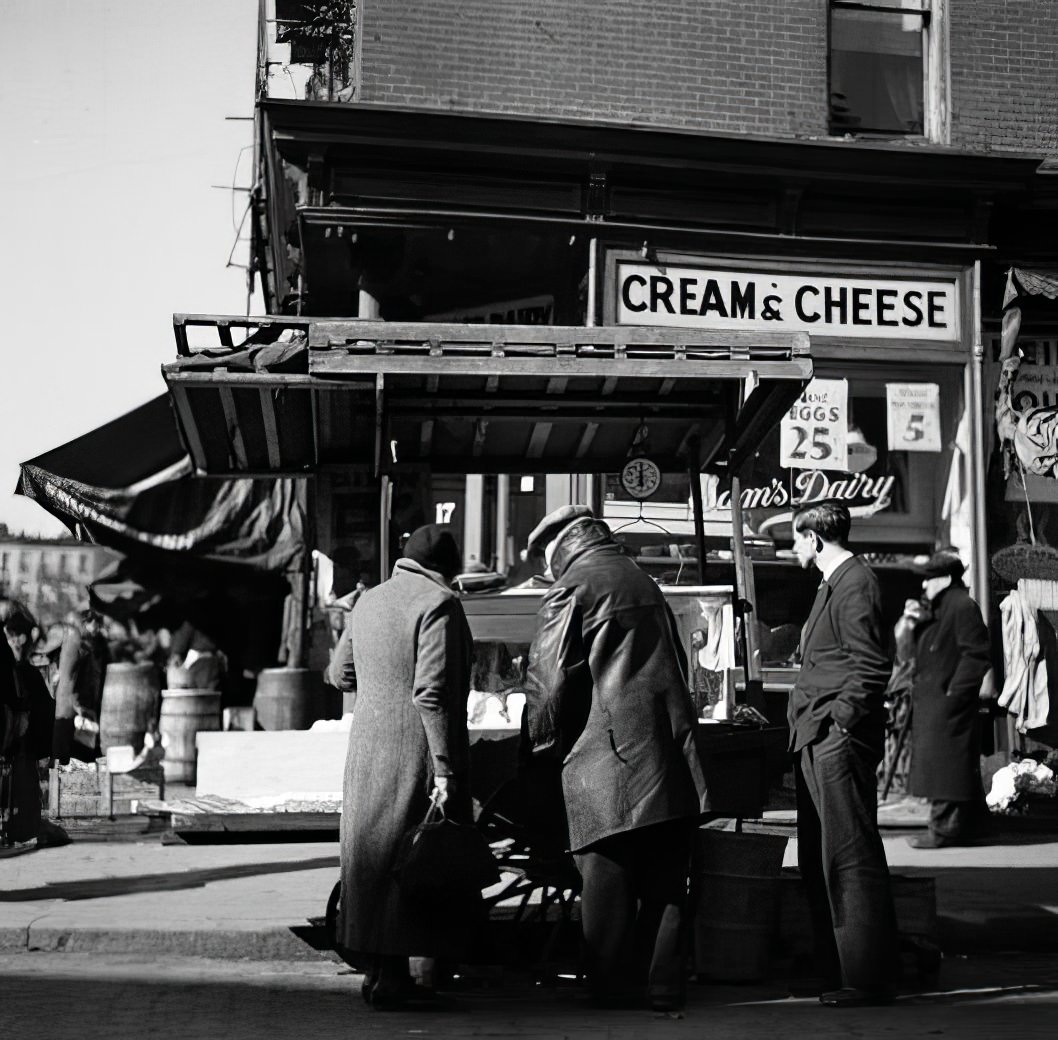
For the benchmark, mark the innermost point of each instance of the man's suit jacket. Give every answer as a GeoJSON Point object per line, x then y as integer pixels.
{"type": "Point", "coordinates": [844, 666]}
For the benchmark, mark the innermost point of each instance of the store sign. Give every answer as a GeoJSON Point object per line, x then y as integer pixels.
{"type": "Point", "coordinates": [530, 310]}
{"type": "Point", "coordinates": [813, 434]}
{"type": "Point", "coordinates": [913, 414]}
{"type": "Point", "coordinates": [713, 298]}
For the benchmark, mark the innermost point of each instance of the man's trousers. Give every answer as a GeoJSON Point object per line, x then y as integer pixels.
{"type": "Point", "coordinates": [843, 865]}
{"type": "Point", "coordinates": [633, 908]}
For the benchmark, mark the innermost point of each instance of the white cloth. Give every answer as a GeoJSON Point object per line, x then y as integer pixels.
{"type": "Point", "coordinates": [718, 652]}
{"type": "Point", "coordinates": [835, 563]}
{"type": "Point", "coordinates": [1024, 693]}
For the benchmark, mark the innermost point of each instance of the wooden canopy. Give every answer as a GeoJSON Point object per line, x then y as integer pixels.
{"type": "Point", "coordinates": [302, 395]}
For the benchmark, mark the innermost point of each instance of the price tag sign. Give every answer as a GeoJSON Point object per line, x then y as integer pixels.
{"type": "Point", "coordinates": [913, 411]}
{"type": "Point", "coordinates": [813, 434]}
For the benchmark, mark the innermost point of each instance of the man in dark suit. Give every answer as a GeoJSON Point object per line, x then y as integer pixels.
{"type": "Point", "coordinates": [837, 729]}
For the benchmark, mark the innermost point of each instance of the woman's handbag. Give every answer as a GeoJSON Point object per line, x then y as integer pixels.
{"type": "Point", "coordinates": [440, 857]}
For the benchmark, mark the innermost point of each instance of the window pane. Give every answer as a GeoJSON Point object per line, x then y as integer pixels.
{"type": "Point", "coordinates": [876, 73]}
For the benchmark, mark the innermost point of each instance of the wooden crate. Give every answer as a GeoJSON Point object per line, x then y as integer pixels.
{"type": "Point", "coordinates": [915, 900]}
{"type": "Point", "coordinates": [98, 792]}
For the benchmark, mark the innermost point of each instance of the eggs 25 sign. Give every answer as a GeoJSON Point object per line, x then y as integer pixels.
{"type": "Point", "coordinates": [813, 434]}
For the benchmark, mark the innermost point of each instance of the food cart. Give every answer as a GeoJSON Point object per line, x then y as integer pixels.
{"type": "Point", "coordinates": [302, 396]}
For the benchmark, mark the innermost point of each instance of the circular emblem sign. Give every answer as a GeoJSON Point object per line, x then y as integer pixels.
{"type": "Point", "coordinates": [640, 477]}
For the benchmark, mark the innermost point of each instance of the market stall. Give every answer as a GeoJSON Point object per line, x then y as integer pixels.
{"type": "Point", "coordinates": [386, 399]}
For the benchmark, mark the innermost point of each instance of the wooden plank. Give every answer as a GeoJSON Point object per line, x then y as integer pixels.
{"type": "Point", "coordinates": [380, 391]}
{"type": "Point", "coordinates": [328, 332]}
{"type": "Point", "coordinates": [538, 440]}
{"type": "Point", "coordinates": [325, 421]}
{"type": "Point", "coordinates": [333, 363]}
{"type": "Point", "coordinates": [586, 438]}
{"type": "Point", "coordinates": [188, 426]}
{"type": "Point", "coordinates": [314, 418]}
{"type": "Point", "coordinates": [176, 376]}
{"type": "Point", "coordinates": [480, 429]}
{"type": "Point", "coordinates": [231, 421]}
{"type": "Point", "coordinates": [557, 385]}
{"type": "Point", "coordinates": [609, 384]}
{"type": "Point", "coordinates": [271, 430]}
{"type": "Point", "coordinates": [231, 823]}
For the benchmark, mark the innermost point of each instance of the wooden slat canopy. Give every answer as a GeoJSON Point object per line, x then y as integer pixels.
{"type": "Point", "coordinates": [386, 396]}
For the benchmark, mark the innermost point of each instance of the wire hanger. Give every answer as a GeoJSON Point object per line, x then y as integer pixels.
{"type": "Point", "coordinates": [641, 519]}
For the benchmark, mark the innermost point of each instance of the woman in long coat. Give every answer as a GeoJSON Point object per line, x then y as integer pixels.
{"type": "Point", "coordinates": [951, 659]}
{"type": "Point", "coordinates": [410, 649]}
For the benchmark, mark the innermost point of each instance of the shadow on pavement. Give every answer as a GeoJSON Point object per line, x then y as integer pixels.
{"type": "Point", "coordinates": [100, 888]}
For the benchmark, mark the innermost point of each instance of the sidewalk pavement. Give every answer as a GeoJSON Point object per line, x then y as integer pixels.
{"type": "Point", "coordinates": [246, 901]}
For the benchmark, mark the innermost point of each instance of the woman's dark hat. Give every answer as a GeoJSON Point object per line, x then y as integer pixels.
{"type": "Point", "coordinates": [434, 548]}
{"type": "Point", "coordinates": [943, 563]}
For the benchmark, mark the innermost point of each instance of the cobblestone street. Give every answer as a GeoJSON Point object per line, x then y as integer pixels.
{"type": "Point", "coordinates": [48, 995]}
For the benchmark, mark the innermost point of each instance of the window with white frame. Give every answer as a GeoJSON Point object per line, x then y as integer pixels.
{"type": "Point", "coordinates": [887, 68]}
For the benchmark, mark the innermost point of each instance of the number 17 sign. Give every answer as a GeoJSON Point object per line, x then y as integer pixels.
{"type": "Point", "coordinates": [914, 416]}
{"type": "Point", "coordinates": [813, 434]}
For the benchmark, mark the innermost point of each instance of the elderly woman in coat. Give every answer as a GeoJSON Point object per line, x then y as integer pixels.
{"type": "Point", "coordinates": [951, 659]}
{"type": "Point", "coordinates": [409, 655]}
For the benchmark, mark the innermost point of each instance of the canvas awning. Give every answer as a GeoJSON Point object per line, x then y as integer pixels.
{"type": "Point", "coordinates": [129, 485]}
{"type": "Point", "coordinates": [386, 396]}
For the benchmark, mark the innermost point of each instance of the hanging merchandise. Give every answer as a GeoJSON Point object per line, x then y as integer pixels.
{"type": "Point", "coordinates": [913, 416]}
{"type": "Point", "coordinates": [814, 432]}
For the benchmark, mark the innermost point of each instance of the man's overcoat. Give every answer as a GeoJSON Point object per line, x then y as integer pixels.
{"type": "Point", "coordinates": [951, 659]}
{"type": "Point", "coordinates": [411, 648]}
{"type": "Point", "coordinates": [607, 693]}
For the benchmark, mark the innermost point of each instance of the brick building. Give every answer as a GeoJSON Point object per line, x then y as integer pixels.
{"type": "Point", "coordinates": [865, 172]}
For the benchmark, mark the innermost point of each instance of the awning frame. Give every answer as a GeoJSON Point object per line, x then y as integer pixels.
{"type": "Point", "coordinates": [418, 372]}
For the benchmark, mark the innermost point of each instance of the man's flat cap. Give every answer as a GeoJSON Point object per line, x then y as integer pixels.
{"type": "Point", "coordinates": [552, 525]}
{"type": "Point", "coordinates": [942, 563]}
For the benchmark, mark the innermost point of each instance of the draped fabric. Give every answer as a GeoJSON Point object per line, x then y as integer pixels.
{"type": "Point", "coordinates": [212, 551]}
{"type": "Point", "coordinates": [129, 485]}
{"type": "Point", "coordinates": [1029, 439]}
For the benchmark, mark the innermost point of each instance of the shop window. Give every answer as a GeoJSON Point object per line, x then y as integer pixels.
{"type": "Point", "coordinates": [880, 75]}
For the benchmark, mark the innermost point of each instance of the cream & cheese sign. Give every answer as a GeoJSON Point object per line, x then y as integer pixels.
{"type": "Point", "coordinates": [721, 298]}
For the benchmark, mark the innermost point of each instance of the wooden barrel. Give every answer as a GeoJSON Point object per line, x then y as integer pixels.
{"type": "Point", "coordinates": [736, 881]}
{"type": "Point", "coordinates": [289, 698]}
{"type": "Point", "coordinates": [184, 714]}
{"type": "Point", "coordinates": [129, 705]}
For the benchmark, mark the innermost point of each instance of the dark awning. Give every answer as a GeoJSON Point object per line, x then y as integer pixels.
{"type": "Point", "coordinates": [129, 485]}
{"type": "Point", "coordinates": [387, 396]}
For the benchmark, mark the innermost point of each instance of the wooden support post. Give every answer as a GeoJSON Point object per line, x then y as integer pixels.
{"type": "Point", "coordinates": [744, 600]}
{"type": "Point", "coordinates": [693, 471]}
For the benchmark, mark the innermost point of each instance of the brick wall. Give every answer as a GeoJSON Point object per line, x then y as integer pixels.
{"type": "Point", "coordinates": [752, 66]}
{"type": "Point", "coordinates": [1004, 74]}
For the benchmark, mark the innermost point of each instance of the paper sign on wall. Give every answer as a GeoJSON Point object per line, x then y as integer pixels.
{"type": "Point", "coordinates": [813, 434]}
{"type": "Point", "coordinates": [913, 411]}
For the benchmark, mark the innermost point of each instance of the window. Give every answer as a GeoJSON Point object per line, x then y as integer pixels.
{"type": "Point", "coordinates": [884, 58]}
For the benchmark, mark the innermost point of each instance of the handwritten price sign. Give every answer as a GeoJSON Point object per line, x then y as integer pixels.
{"type": "Point", "coordinates": [913, 416]}
{"type": "Point", "coordinates": [813, 434]}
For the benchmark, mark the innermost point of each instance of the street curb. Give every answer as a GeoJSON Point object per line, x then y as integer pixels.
{"type": "Point", "coordinates": [229, 944]}
{"type": "Point", "coordinates": [12, 938]}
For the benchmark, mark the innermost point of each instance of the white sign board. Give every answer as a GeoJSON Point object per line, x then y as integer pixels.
{"type": "Point", "coordinates": [813, 434]}
{"type": "Point", "coordinates": [913, 416]}
{"type": "Point", "coordinates": [713, 298]}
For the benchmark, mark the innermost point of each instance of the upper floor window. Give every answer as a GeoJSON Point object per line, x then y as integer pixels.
{"type": "Point", "coordinates": [880, 56]}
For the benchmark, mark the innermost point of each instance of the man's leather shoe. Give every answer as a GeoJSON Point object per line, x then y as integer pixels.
{"type": "Point", "coordinates": [849, 997]}
{"type": "Point", "coordinates": [931, 841]}
{"type": "Point", "coordinates": [810, 986]}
